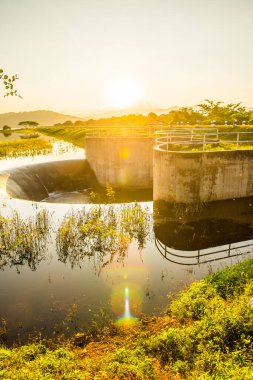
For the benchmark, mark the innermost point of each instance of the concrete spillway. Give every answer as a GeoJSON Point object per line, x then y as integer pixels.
{"type": "Point", "coordinates": [36, 182]}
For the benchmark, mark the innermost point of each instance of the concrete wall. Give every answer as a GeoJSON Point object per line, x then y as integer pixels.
{"type": "Point", "coordinates": [35, 182]}
{"type": "Point", "coordinates": [122, 162]}
{"type": "Point", "coordinates": [188, 177]}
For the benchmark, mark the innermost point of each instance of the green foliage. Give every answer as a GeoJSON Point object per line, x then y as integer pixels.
{"type": "Point", "coordinates": [202, 114]}
{"type": "Point", "coordinates": [222, 113]}
{"type": "Point", "coordinates": [6, 128]}
{"type": "Point", "coordinates": [73, 135]}
{"type": "Point", "coordinates": [26, 147]}
{"type": "Point", "coordinates": [214, 336]}
{"type": "Point", "coordinates": [101, 233]}
{"type": "Point", "coordinates": [232, 281]}
{"type": "Point", "coordinates": [23, 241]}
{"type": "Point", "coordinates": [36, 362]}
{"type": "Point", "coordinates": [8, 83]}
{"type": "Point", "coordinates": [28, 124]}
{"type": "Point", "coordinates": [110, 194]}
{"type": "Point", "coordinates": [130, 364]}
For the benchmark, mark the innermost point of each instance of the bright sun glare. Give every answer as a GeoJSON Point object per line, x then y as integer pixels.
{"type": "Point", "coordinates": [123, 92]}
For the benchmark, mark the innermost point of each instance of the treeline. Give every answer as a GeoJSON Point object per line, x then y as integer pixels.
{"type": "Point", "coordinates": [206, 113]}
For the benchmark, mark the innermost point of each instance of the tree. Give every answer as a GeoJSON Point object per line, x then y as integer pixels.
{"type": "Point", "coordinates": [6, 128]}
{"type": "Point", "coordinates": [67, 123]}
{"type": "Point", "coordinates": [28, 124]}
{"type": "Point", "coordinates": [152, 116]}
{"type": "Point", "coordinates": [221, 112]}
{"type": "Point", "coordinates": [7, 81]}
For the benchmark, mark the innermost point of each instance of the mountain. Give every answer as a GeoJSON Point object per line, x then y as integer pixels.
{"type": "Point", "coordinates": [140, 108]}
{"type": "Point", "coordinates": [44, 118]}
{"type": "Point", "coordinates": [48, 118]}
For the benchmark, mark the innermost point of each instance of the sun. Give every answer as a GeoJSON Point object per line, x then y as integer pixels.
{"type": "Point", "coordinates": [123, 92]}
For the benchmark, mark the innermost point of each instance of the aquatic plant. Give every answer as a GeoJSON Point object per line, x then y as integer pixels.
{"type": "Point", "coordinates": [23, 241]}
{"type": "Point", "coordinates": [101, 233]}
{"type": "Point", "coordinates": [25, 147]}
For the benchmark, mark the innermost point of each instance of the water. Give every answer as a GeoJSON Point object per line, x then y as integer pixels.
{"type": "Point", "coordinates": [9, 136]}
{"type": "Point", "coordinates": [63, 294]}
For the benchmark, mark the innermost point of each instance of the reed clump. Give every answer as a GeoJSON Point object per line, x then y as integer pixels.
{"type": "Point", "coordinates": [101, 233]}
{"type": "Point", "coordinates": [25, 147]}
{"type": "Point", "coordinates": [23, 241]}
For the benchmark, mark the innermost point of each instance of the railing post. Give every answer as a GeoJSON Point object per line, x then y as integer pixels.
{"type": "Point", "coordinates": [237, 140]}
{"type": "Point", "coordinates": [204, 142]}
{"type": "Point", "coordinates": [167, 142]}
{"type": "Point", "coordinates": [191, 134]}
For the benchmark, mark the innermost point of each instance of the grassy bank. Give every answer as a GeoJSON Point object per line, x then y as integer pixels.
{"type": "Point", "coordinates": [74, 135]}
{"type": "Point", "coordinates": [26, 147]}
{"type": "Point", "coordinates": [206, 333]}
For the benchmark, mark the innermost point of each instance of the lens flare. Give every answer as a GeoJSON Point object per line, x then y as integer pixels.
{"type": "Point", "coordinates": [127, 309]}
{"type": "Point", "coordinates": [127, 318]}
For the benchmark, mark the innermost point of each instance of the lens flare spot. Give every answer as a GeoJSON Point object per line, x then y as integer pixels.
{"type": "Point", "coordinates": [124, 153]}
{"type": "Point", "coordinates": [126, 302]}
{"type": "Point", "coordinates": [127, 318]}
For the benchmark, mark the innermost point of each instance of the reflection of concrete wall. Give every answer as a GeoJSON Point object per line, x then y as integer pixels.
{"type": "Point", "coordinates": [122, 162]}
{"type": "Point", "coordinates": [214, 224]}
{"type": "Point", "coordinates": [187, 177]}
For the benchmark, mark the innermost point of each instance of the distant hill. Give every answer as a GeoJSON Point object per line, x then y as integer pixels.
{"type": "Point", "coordinates": [44, 118]}
{"type": "Point", "coordinates": [140, 108]}
{"type": "Point", "coordinates": [48, 118]}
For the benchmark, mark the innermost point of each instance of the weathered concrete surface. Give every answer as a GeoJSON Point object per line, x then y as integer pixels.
{"type": "Point", "coordinates": [35, 182]}
{"type": "Point", "coordinates": [122, 162]}
{"type": "Point", "coordinates": [191, 177]}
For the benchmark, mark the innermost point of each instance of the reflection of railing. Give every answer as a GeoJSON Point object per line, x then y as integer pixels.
{"type": "Point", "coordinates": [203, 256]}
{"type": "Point", "coordinates": [201, 138]}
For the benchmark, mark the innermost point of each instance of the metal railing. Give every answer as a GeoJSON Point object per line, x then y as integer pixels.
{"type": "Point", "coordinates": [188, 139]}
{"type": "Point", "coordinates": [203, 256]}
{"type": "Point", "coordinates": [132, 130]}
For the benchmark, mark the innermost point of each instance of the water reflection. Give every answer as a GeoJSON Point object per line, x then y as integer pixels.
{"type": "Point", "coordinates": [102, 234]}
{"type": "Point", "coordinates": [23, 242]}
{"type": "Point", "coordinates": [105, 257]}
{"type": "Point", "coordinates": [204, 233]}
{"type": "Point", "coordinates": [7, 133]}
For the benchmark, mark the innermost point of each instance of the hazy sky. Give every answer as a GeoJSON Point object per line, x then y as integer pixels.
{"type": "Point", "coordinates": [70, 54]}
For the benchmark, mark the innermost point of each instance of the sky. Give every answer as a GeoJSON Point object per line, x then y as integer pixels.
{"type": "Point", "coordinates": [78, 56]}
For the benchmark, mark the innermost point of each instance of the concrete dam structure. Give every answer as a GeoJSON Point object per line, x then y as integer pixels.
{"type": "Point", "coordinates": [177, 176]}
{"type": "Point", "coordinates": [140, 164]}
{"type": "Point", "coordinates": [189, 177]}
{"type": "Point", "coordinates": [122, 162]}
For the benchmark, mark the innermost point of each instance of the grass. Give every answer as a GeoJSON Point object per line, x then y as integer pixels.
{"type": "Point", "coordinates": [74, 135]}
{"type": "Point", "coordinates": [26, 147]}
{"type": "Point", "coordinates": [206, 333]}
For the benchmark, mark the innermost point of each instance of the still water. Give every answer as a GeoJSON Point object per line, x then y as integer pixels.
{"type": "Point", "coordinates": [65, 293]}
